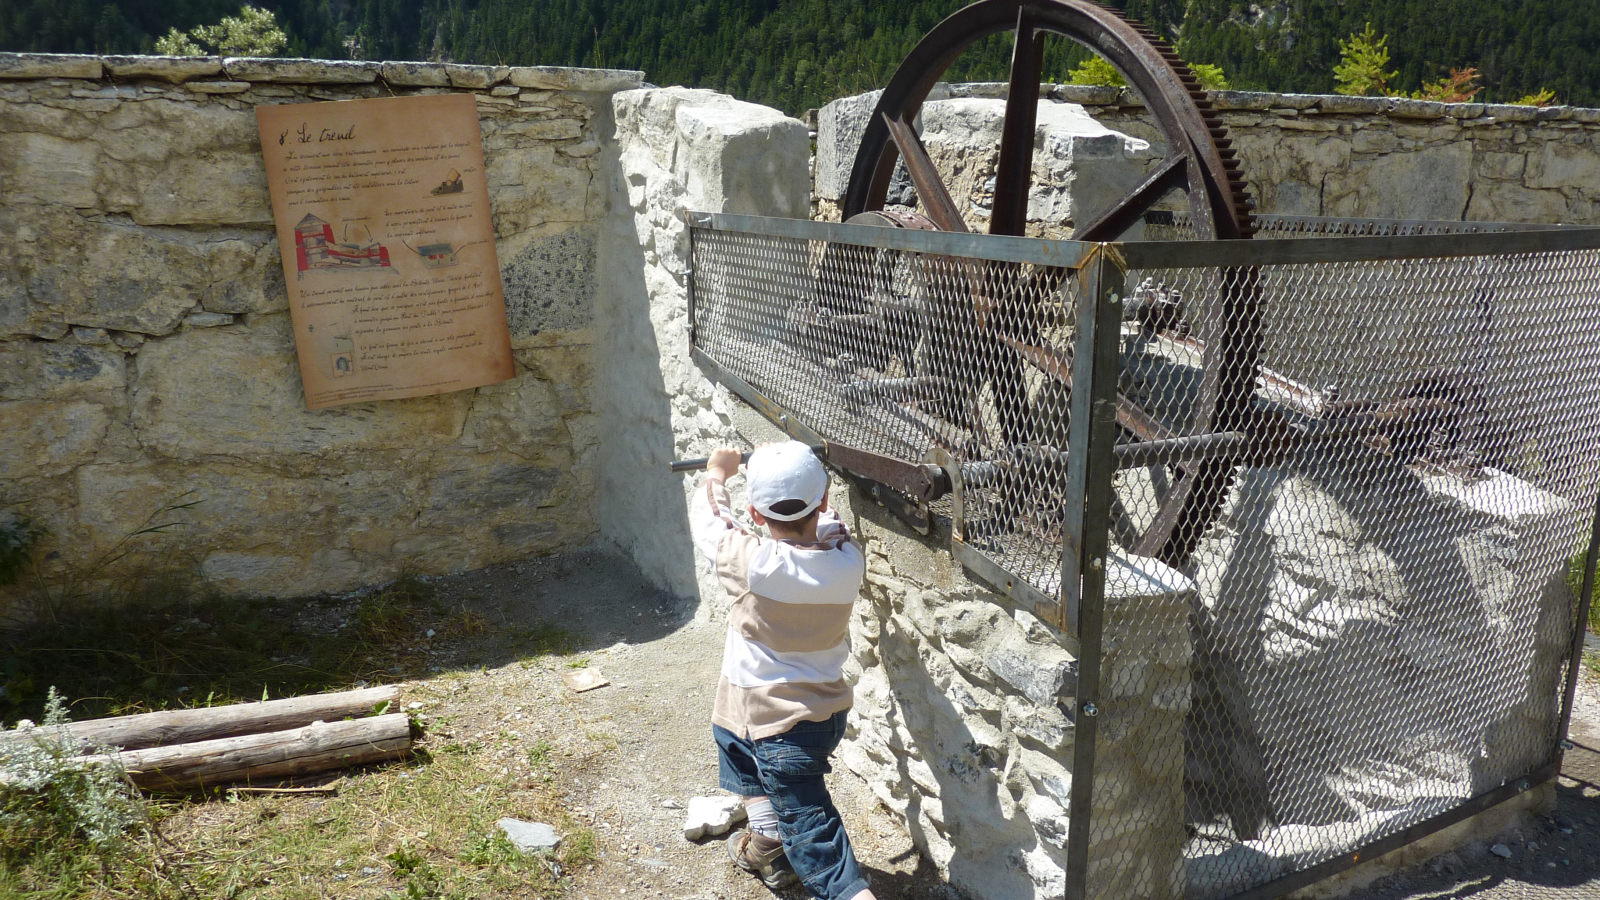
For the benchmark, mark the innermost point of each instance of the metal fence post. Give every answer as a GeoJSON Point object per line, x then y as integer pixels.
{"type": "Point", "coordinates": [1581, 626]}
{"type": "Point", "coordinates": [1090, 468]}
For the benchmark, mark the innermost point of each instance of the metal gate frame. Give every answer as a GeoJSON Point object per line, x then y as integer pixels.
{"type": "Point", "coordinates": [1100, 270]}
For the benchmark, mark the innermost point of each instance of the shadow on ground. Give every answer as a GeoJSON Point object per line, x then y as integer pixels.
{"type": "Point", "coordinates": [1556, 857]}
{"type": "Point", "coordinates": [165, 641]}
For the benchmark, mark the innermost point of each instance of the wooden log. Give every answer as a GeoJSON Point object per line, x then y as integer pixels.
{"type": "Point", "coordinates": [184, 726]}
{"type": "Point", "coordinates": [318, 747]}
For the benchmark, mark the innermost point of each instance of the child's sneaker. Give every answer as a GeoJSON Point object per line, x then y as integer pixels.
{"type": "Point", "coordinates": [762, 857]}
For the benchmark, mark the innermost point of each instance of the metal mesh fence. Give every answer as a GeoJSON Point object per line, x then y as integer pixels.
{"type": "Point", "coordinates": [1379, 617]}
{"type": "Point", "coordinates": [1335, 606]}
{"type": "Point", "coordinates": [898, 353]}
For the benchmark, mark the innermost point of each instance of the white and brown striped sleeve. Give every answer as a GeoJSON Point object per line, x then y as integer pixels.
{"type": "Point", "coordinates": [711, 517]}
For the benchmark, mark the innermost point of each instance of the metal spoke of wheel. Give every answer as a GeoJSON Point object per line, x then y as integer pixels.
{"type": "Point", "coordinates": [930, 187]}
{"type": "Point", "coordinates": [1014, 173]}
{"type": "Point", "coordinates": [1171, 173]}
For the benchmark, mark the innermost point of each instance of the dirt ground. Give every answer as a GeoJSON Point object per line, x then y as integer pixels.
{"type": "Point", "coordinates": [627, 757]}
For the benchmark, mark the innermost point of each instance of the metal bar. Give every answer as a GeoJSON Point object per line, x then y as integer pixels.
{"type": "Point", "coordinates": [775, 413]}
{"type": "Point", "coordinates": [1109, 225]}
{"type": "Point", "coordinates": [931, 191]}
{"type": "Point", "coordinates": [698, 464]}
{"type": "Point", "coordinates": [1201, 446]}
{"type": "Point", "coordinates": [1001, 248]}
{"type": "Point", "coordinates": [1089, 495]}
{"type": "Point", "coordinates": [1296, 880]}
{"type": "Point", "coordinates": [1291, 251]}
{"type": "Point", "coordinates": [1575, 662]}
{"type": "Point", "coordinates": [1014, 166]}
{"type": "Point", "coordinates": [1017, 588]}
{"type": "Point", "coordinates": [1267, 221]}
{"type": "Point", "coordinates": [688, 286]}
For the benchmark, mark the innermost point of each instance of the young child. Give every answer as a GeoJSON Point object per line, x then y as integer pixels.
{"type": "Point", "coordinates": [782, 698]}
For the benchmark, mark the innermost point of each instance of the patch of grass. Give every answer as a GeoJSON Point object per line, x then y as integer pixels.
{"type": "Point", "coordinates": [1575, 567]}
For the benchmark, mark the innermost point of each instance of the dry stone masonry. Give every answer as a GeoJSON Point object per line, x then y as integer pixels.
{"type": "Point", "coordinates": [145, 349]}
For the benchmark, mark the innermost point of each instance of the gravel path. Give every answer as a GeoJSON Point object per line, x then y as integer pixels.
{"type": "Point", "coordinates": [629, 755]}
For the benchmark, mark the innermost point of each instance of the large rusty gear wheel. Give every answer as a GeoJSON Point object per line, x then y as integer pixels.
{"type": "Point", "coordinates": [1199, 160]}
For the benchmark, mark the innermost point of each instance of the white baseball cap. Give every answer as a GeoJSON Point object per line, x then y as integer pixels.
{"type": "Point", "coordinates": [787, 471]}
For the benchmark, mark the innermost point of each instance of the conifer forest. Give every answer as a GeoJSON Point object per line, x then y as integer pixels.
{"type": "Point", "coordinates": [796, 54]}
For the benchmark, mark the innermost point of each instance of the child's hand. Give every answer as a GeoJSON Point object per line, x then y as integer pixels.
{"type": "Point", "coordinates": [723, 463]}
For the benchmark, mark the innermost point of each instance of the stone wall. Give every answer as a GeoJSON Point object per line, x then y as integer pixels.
{"type": "Point", "coordinates": [145, 348]}
{"type": "Point", "coordinates": [1315, 155]}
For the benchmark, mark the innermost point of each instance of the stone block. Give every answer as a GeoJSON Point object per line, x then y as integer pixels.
{"type": "Point", "coordinates": [1506, 112]}
{"type": "Point", "coordinates": [1243, 99]}
{"type": "Point", "coordinates": [557, 78]}
{"type": "Point", "coordinates": [218, 87]}
{"type": "Point", "coordinates": [49, 65]}
{"type": "Point", "coordinates": [740, 158]}
{"type": "Point", "coordinates": [44, 169]}
{"type": "Point", "coordinates": [175, 69]}
{"type": "Point", "coordinates": [530, 837]}
{"type": "Point", "coordinates": [300, 71]}
{"type": "Point", "coordinates": [1430, 183]}
{"type": "Point", "coordinates": [244, 383]}
{"type": "Point", "coordinates": [840, 125]}
{"type": "Point", "coordinates": [41, 438]}
{"type": "Point", "coordinates": [415, 74]}
{"type": "Point", "coordinates": [1463, 110]}
{"type": "Point", "coordinates": [1404, 108]}
{"type": "Point", "coordinates": [34, 370]}
{"type": "Point", "coordinates": [213, 188]}
{"type": "Point", "coordinates": [475, 77]}
{"type": "Point", "coordinates": [1505, 202]}
{"type": "Point", "coordinates": [550, 284]}
{"type": "Point", "coordinates": [64, 268]}
{"type": "Point", "coordinates": [1564, 165]}
{"type": "Point", "coordinates": [1085, 94]}
{"type": "Point", "coordinates": [1287, 173]}
{"type": "Point", "coordinates": [1366, 106]}
{"type": "Point", "coordinates": [91, 336]}
{"type": "Point", "coordinates": [1503, 166]}
{"type": "Point", "coordinates": [1041, 672]}
{"type": "Point", "coordinates": [246, 276]}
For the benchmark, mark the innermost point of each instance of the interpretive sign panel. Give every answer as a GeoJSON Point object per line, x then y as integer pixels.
{"type": "Point", "coordinates": [388, 246]}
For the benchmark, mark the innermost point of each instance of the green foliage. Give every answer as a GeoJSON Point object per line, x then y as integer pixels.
{"type": "Point", "coordinates": [1541, 97]}
{"type": "Point", "coordinates": [1211, 77]}
{"type": "Point", "coordinates": [1096, 72]}
{"type": "Point", "coordinates": [1460, 86]}
{"type": "Point", "coordinates": [1517, 46]}
{"type": "Point", "coordinates": [54, 808]}
{"type": "Point", "coordinates": [253, 32]}
{"type": "Point", "coordinates": [1362, 60]}
{"type": "Point", "coordinates": [1575, 569]}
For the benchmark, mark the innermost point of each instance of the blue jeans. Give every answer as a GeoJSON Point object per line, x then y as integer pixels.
{"type": "Point", "coordinates": [787, 769]}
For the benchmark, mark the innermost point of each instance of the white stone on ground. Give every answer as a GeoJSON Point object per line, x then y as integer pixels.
{"type": "Point", "coordinates": [530, 837]}
{"type": "Point", "coordinates": [711, 816]}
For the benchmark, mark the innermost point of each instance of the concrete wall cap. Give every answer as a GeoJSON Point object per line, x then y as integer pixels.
{"type": "Point", "coordinates": [50, 65]}
{"type": "Point", "coordinates": [167, 68]}
{"type": "Point", "coordinates": [300, 71]}
{"type": "Point", "coordinates": [561, 78]}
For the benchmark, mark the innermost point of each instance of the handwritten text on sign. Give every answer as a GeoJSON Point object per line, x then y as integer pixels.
{"type": "Point", "coordinates": [383, 221]}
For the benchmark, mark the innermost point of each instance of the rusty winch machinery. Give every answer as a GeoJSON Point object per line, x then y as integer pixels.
{"type": "Point", "coordinates": [937, 366]}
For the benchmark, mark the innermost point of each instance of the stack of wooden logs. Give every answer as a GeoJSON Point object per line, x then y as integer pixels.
{"type": "Point", "coordinates": [272, 741]}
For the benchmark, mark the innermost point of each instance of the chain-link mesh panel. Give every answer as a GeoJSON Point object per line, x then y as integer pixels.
{"type": "Point", "coordinates": [898, 353]}
{"type": "Point", "coordinates": [1336, 608]}
{"type": "Point", "coordinates": [1376, 613]}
